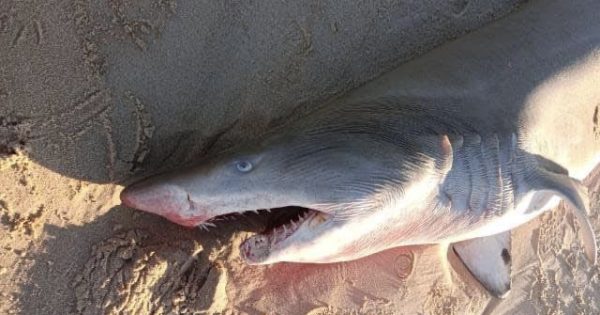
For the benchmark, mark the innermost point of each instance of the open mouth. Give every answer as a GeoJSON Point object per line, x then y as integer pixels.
{"type": "Point", "coordinates": [175, 204]}
{"type": "Point", "coordinates": [257, 248]}
{"type": "Point", "coordinates": [281, 224]}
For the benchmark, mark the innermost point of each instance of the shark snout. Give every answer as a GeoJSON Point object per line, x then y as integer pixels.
{"type": "Point", "coordinates": [169, 201]}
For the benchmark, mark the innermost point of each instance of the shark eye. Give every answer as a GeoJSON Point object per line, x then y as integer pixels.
{"type": "Point", "coordinates": [243, 166]}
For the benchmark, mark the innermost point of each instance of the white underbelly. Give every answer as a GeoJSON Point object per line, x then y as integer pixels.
{"type": "Point", "coordinates": [529, 207]}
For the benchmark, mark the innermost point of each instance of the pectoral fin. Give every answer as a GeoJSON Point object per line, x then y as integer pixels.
{"type": "Point", "coordinates": [489, 261]}
{"type": "Point", "coordinates": [575, 194]}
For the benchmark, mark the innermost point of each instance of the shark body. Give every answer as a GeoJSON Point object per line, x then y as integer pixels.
{"type": "Point", "coordinates": [457, 147]}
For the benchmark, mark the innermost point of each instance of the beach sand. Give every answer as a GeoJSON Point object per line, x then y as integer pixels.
{"type": "Point", "coordinates": [97, 94]}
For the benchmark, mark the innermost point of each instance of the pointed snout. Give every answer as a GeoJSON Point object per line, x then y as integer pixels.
{"type": "Point", "coordinates": [169, 201]}
{"type": "Point", "coordinates": [159, 199]}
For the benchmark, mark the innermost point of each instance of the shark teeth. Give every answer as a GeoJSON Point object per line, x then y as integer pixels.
{"type": "Point", "coordinates": [205, 225]}
{"type": "Point", "coordinates": [282, 232]}
{"type": "Point", "coordinates": [258, 247]}
{"type": "Point", "coordinates": [229, 216]}
{"type": "Point", "coordinates": [254, 211]}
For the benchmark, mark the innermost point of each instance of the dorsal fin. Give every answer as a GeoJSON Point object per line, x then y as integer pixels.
{"type": "Point", "coordinates": [551, 176]}
{"type": "Point", "coordinates": [488, 259]}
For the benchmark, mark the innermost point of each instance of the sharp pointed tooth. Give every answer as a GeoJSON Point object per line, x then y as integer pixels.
{"type": "Point", "coordinates": [268, 210]}
{"type": "Point", "coordinates": [210, 224]}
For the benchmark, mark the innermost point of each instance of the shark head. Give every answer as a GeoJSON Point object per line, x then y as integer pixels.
{"type": "Point", "coordinates": [353, 178]}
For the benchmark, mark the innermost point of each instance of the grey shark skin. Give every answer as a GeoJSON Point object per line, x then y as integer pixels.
{"type": "Point", "coordinates": [457, 147]}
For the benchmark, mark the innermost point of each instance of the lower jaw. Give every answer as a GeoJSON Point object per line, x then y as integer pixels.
{"type": "Point", "coordinates": [258, 248]}
{"type": "Point", "coordinates": [249, 253]}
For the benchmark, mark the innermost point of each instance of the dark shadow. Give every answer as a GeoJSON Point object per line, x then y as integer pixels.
{"type": "Point", "coordinates": [154, 86]}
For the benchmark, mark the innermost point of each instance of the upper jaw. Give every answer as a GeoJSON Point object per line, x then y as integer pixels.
{"type": "Point", "coordinates": [164, 199]}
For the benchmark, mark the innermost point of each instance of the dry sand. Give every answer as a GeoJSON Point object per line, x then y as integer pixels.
{"type": "Point", "coordinates": [94, 94]}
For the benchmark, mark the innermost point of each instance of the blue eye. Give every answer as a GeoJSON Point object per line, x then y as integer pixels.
{"type": "Point", "coordinates": [244, 166]}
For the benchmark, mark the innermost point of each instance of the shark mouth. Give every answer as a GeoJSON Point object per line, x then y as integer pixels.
{"type": "Point", "coordinates": [282, 224]}
{"type": "Point", "coordinates": [175, 204]}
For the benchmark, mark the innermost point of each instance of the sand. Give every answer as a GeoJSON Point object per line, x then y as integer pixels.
{"type": "Point", "coordinates": [96, 94]}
